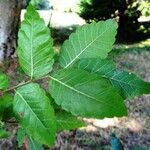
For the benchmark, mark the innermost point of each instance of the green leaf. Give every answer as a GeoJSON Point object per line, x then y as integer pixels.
{"type": "Point", "coordinates": [34, 145]}
{"type": "Point", "coordinates": [128, 84]}
{"type": "Point", "coordinates": [52, 101]}
{"type": "Point", "coordinates": [87, 95]}
{"type": "Point", "coordinates": [35, 113]}
{"type": "Point", "coordinates": [4, 81]}
{"type": "Point", "coordinates": [66, 121]}
{"type": "Point", "coordinates": [20, 136]}
{"type": "Point", "coordinates": [35, 50]}
{"type": "Point", "coordinates": [4, 134]}
{"type": "Point", "coordinates": [103, 67]}
{"type": "Point", "coordinates": [91, 40]}
{"type": "Point", "coordinates": [5, 106]}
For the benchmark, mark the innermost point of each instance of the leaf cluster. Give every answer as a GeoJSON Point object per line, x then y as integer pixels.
{"type": "Point", "coordinates": [86, 84]}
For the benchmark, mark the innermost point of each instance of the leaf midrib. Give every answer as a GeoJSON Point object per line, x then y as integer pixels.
{"type": "Point", "coordinates": [31, 47]}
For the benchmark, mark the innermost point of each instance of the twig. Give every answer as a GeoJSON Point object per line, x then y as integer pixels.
{"type": "Point", "coordinates": [11, 89]}
{"type": "Point", "coordinates": [16, 86]}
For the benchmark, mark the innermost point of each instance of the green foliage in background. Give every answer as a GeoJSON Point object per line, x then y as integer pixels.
{"type": "Point", "coordinates": [85, 83]}
{"type": "Point", "coordinates": [4, 81]}
{"type": "Point", "coordinates": [126, 12]}
{"type": "Point", "coordinates": [145, 8]}
{"type": "Point", "coordinates": [102, 9]}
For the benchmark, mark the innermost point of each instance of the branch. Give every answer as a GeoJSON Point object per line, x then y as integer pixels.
{"type": "Point", "coordinates": [11, 89]}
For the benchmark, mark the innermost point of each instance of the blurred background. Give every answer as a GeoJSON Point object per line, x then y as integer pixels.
{"type": "Point", "coordinates": [131, 52]}
{"type": "Point", "coordinates": [133, 16]}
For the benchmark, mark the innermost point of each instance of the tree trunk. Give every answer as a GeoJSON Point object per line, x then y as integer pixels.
{"type": "Point", "coordinates": [9, 21]}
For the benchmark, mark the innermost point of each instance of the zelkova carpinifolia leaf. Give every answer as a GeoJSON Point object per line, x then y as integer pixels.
{"type": "Point", "coordinates": [4, 81]}
{"type": "Point", "coordinates": [127, 84]}
{"type": "Point", "coordinates": [35, 50]}
{"type": "Point", "coordinates": [86, 95]}
{"type": "Point", "coordinates": [89, 41]}
{"type": "Point", "coordinates": [35, 114]}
